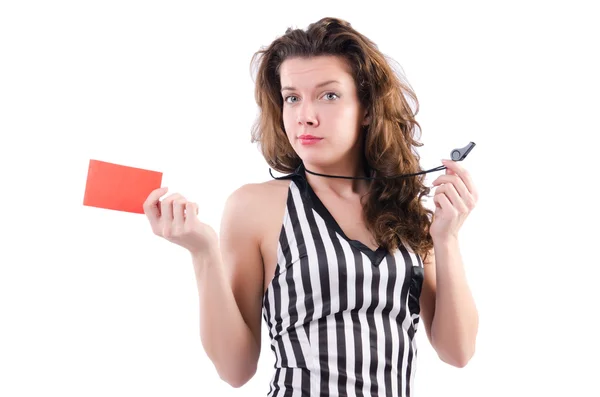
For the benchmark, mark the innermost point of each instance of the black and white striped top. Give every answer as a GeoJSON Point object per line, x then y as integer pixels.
{"type": "Point", "coordinates": [341, 317]}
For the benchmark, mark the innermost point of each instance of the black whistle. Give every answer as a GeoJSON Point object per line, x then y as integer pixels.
{"type": "Point", "coordinates": [461, 154]}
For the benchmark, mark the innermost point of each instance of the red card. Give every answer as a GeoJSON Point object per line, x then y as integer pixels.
{"type": "Point", "coordinates": [119, 187]}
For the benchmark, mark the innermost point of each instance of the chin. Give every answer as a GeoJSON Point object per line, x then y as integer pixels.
{"type": "Point", "coordinates": [318, 157]}
{"type": "Point", "coordinates": [315, 160]}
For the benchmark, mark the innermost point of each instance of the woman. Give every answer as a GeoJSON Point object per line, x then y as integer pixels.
{"type": "Point", "coordinates": [342, 268]}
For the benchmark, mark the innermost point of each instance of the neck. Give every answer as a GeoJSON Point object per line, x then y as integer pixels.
{"type": "Point", "coordinates": [339, 186]}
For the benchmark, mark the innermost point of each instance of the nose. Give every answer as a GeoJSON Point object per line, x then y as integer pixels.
{"type": "Point", "coordinates": [306, 114]}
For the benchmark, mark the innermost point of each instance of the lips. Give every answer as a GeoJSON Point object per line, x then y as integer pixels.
{"type": "Point", "coordinates": [307, 136]}
{"type": "Point", "coordinates": [307, 139]}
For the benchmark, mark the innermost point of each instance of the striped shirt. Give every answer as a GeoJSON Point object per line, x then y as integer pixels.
{"type": "Point", "coordinates": [341, 317]}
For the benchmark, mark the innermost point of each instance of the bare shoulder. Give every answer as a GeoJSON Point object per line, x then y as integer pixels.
{"type": "Point", "coordinates": [252, 219]}
{"type": "Point", "coordinates": [254, 200]}
{"type": "Point", "coordinates": [257, 190]}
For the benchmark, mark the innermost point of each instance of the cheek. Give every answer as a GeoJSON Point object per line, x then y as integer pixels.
{"type": "Point", "coordinates": [289, 118]}
{"type": "Point", "coordinates": [344, 115]}
{"type": "Point", "coordinates": [346, 121]}
{"type": "Point", "coordinates": [288, 123]}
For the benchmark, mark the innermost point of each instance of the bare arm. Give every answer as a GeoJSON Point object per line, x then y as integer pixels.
{"type": "Point", "coordinates": [447, 306]}
{"type": "Point", "coordinates": [230, 280]}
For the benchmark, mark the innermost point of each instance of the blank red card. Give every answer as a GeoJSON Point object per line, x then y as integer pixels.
{"type": "Point", "coordinates": [119, 187]}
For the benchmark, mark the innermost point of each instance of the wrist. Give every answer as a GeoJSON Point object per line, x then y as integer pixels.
{"type": "Point", "coordinates": [445, 243]}
{"type": "Point", "coordinates": [206, 256]}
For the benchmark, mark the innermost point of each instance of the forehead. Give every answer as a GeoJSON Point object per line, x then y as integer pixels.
{"type": "Point", "coordinates": [312, 71]}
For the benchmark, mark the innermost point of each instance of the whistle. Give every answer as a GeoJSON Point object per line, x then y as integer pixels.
{"type": "Point", "coordinates": [461, 154]}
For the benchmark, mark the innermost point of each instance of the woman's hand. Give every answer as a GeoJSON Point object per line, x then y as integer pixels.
{"type": "Point", "coordinates": [176, 220]}
{"type": "Point", "coordinates": [455, 198]}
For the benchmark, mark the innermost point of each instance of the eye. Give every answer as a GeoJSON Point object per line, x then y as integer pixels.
{"type": "Point", "coordinates": [328, 95]}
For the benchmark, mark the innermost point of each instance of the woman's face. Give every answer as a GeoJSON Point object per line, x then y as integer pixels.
{"type": "Point", "coordinates": [322, 115]}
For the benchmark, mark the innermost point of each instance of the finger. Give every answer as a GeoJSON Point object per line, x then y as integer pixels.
{"type": "Point", "coordinates": [191, 208]}
{"type": "Point", "coordinates": [450, 193]}
{"type": "Point", "coordinates": [436, 202]}
{"type": "Point", "coordinates": [449, 171]}
{"type": "Point", "coordinates": [458, 184]}
{"type": "Point", "coordinates": [443, 203]}
{"type": "Point", "coordinates": [151, 206]}
{"type": "Point", "coordinates": [462, 173]}
{"type": "Point", "coordinates": [191, 211]}
{"type": "Point", "coordinates": [166, 206]}
{"type": "Point", "coordinates": [178, 216]}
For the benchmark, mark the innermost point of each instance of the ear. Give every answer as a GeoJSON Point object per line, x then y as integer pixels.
{"type": "Point", "coordinates": [366, 117]}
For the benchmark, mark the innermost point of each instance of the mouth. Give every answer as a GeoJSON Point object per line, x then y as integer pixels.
{"type": "Point", "coordinates": [308, 139]}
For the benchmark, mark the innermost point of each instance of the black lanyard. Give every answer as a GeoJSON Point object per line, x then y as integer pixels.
{"type": "Point", "coordinates": [455, 155]}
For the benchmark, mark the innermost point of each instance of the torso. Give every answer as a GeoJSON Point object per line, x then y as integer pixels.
{"type": "Point", "coordinates": [348, 214]}
{"type": "Point", "coordinates": [341, 313]}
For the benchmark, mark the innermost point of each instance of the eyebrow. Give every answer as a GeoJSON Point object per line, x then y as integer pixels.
{"type": "Point", "coordinates": [288, 88]}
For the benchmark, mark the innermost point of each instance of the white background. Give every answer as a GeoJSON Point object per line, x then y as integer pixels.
{"type": "Point", "coordinates": [93, 304]}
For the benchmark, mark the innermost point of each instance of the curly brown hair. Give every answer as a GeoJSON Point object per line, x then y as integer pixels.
{"type": "Point", "coordinates": [393, 209]}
